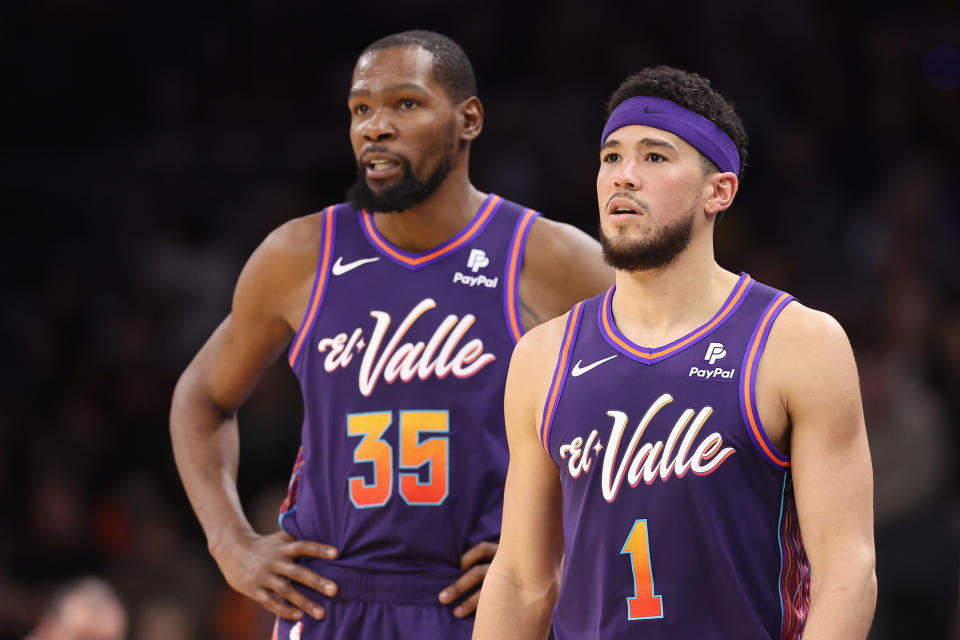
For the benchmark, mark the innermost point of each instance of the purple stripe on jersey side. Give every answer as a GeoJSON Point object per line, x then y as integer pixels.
{"type": "Point", "coordinates": [518, 244]}
{"type": "Point", "coordinates": [612, 334]}
{"type": "Point", "coordinates": [560, 373]}
{"type": "Point", "coordinates": [319, 284]}
{"type": "Point", "coordinates": [748, 382]}
{"type": "Point", "coordinates": [414, 261]}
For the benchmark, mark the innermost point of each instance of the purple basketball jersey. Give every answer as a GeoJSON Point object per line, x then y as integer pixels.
{"type": "Point", "coordinates": [402, 359]}
{"type": "Point", "coordinates": [678, 512]}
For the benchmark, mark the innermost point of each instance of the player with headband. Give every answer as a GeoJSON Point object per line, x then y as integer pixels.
{"type": "Point", "coordinates": [716, 485]}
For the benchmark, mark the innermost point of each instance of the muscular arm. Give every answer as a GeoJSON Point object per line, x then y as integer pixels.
{"type": "Point", "coordinates": [269, 299]}
{"type": "Point", "coordinates": [561, 266]}
{"type": "Point", "coordinates": [522, 584]}
{"type": "Point", "coordinates": [810, 360]}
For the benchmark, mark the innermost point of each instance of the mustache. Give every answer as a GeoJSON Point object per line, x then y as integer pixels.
{"type": "Point", "coordinates": [626, 195]}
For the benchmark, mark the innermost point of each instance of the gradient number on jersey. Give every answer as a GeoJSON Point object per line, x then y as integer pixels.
{"type": "Point", "coordinates": [644, 605]}
{"type": "Point", "coordinates": [414, 454]}
{"type": "Point", "coordinates": [375, 450]}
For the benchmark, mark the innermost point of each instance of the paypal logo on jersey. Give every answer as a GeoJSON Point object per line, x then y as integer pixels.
{"type": "Point", "coordinates": [478, 260]}
{"type": "Point", "coordinates": [715, 351]}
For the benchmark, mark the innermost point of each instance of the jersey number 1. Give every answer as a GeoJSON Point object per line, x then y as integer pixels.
{"type": "Point", "coordinates": [414, 453]}
{"type": "Point", "coordinates": [644, 605]}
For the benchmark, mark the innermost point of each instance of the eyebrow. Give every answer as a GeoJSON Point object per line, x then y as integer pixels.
{"type": "Point", "coordinates": [391, 88]}
{"type": "Point", "coordinates": [644, 142]}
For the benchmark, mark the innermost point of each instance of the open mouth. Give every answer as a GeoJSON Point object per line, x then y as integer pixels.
{"type": "Point", "coordinates": [623, 206]}
{"type": "Point", "coordinates": [380, 165]}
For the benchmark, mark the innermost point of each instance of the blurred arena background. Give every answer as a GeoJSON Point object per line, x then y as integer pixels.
{"type": "Point", "coordinates": [147, 148]}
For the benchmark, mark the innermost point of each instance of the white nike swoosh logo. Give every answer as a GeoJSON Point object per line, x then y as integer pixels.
{"type": "Point", "coordinates": [339, 268]}
{"type": "Point", "coordinates": [578, 370]}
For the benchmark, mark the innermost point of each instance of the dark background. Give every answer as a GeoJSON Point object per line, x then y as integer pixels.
{"type": "Point", "coordinates": [147, 148]}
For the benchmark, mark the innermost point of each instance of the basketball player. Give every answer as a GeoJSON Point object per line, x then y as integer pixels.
{"type": "Point", "coordinates": [714, 484]}
{"type": "Point", "coordinates": [398, 312]}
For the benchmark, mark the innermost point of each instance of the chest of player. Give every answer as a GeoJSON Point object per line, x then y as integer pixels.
{"type": "Point", "coordinates": [659, 421]}
{"type": "Point", "coordinates": [386, 317]}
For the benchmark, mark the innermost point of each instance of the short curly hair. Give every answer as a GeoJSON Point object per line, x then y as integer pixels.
{"type": "Point", "coordinates": [690, 91]}
{"type": "Point", "coordinates": [451, 66]}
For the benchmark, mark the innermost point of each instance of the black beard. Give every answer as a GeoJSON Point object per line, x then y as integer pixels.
{"type": "Point", "coordinates": [403, 195]}
{"type": "Point", "coordinates": [651, 253]}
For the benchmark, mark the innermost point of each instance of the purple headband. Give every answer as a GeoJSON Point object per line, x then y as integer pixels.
{"type": "Point", "coordinates": [701, 133]}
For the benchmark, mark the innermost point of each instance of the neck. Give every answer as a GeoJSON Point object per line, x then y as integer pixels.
{"type": "Point", "coordinates": [657, 306]}
{"type": "Point", "coordinates": [438, 218]}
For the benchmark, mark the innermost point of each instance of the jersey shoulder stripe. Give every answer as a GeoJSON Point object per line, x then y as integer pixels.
{"type": "Point", "coordinates": [748, 380]}
{"type": "Point", "coordinates": [560, 373]}
{"type": "Point", "coordinates": [319, 284]}
{"type": "Point", "coordinates": [518, 245]}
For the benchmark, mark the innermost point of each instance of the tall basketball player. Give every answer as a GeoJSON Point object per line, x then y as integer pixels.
{"type": "Point", "coordinates": [688, 446]}
{"type": "Point", "coordinates": [398, 312]}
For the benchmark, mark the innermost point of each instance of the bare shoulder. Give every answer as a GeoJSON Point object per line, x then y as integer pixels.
{"type": "Point", "coordinates": [279, 274]}
{"type": "Point", "coordinates": [557, 246]}
{"type": "Point", "coordinates": [810, 357]}
{"type": "Point", "coordinates": [532, 365]}
{"type": "Point", "coordinates": [541, 342]}
{"type": "Point", "coordinates": [561, 266]}
{"type": "Point", "coordinates": [804, 334]}
{"type": "Point", "coordinates": [295, 241]}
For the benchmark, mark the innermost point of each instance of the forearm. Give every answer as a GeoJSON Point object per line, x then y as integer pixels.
{"type": "Point", "coordinates": [508, 609]}
{"type": "Point", "coordinates": [842, 603]}
{"type": "Point", "coordinates": [206, 448]}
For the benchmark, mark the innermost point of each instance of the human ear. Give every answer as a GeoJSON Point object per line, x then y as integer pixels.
{"type": "Point", "coordinates": [722, 190]}
{"type": "Point", "coordinates": [470, 114]}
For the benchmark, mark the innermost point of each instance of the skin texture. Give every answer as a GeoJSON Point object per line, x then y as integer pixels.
{"type": "Point", "coordinates": [398, 109]}
{"type": "Point", "coordinates": [808, 397]}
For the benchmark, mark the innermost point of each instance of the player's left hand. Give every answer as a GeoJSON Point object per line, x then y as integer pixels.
{"type": "Point", "coordinates": [474, 563]}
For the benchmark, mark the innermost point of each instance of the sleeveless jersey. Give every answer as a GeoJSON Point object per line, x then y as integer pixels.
{"type": "Point", "coordinates": [402, 360]}
{"type": "Point", "coordinates": [678, 513]}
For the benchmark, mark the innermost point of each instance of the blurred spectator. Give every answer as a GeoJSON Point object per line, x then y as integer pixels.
{"type": "Point", "coordinates": [88, 609]}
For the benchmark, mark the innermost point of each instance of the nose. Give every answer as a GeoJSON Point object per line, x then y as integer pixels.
{"type": "Point", "coordinates": [378, 128]}
{"type": "Point", "coordinates": [626, 177]}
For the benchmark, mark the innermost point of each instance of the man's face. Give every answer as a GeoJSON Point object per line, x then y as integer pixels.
{"type": "Point", "coordinates": [402, 128]}
{"type": "Point", "coordinates": [650, 188]}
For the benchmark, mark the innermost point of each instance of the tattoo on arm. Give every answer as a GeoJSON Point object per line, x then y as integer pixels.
{"type": "Point", "coordinates": [528, 316]}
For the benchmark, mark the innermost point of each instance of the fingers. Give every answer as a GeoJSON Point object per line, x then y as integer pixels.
{"type": "Point", "coordinates": [308, 578]}
{"type": "Point", "coordinates": [277, 606]}
{"type": "Point", "coordinates": [470, 579]}
{"type": "Point", "coordinates": [468, 606]}
{"type": "Point", "coordinates": [312, 549]}
{"type": "Point", "coordinates": [284, 589]}
{"type": "Point", "coordinates": [473, 576]}
{"type": "Point", "coordinates": [480, 551]}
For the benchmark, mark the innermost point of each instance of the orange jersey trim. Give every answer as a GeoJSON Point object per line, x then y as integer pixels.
{"type": "Point", "coordinates": [324, 269]}
{"type": "Point", "coordinates": [513, 269]}
{"type": "Point", "coordinates": [752, 361]}
{"type": "Point", "coordinates": [566, 352]}
{"type": "Point", "coordinates": [384, 246]}
{"type": "Point", "coordinates": [608, 329]}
